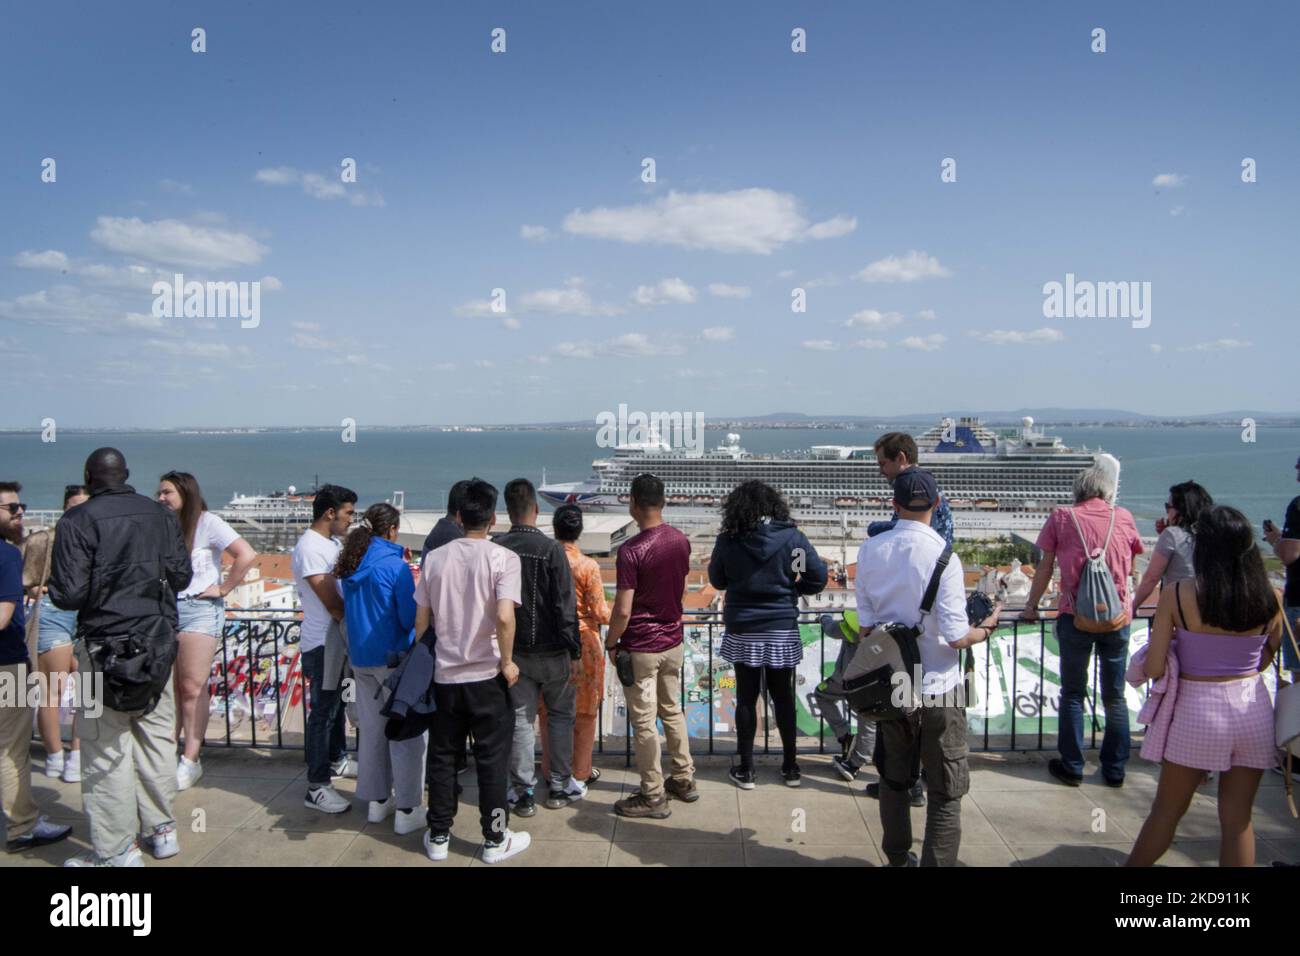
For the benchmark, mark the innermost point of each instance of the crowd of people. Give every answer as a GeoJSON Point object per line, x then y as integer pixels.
{"type": "Point", "coordinates": [517, 632]}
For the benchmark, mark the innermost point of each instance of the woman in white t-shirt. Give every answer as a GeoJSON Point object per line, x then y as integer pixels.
{"type": "Point", "coordinates": [201, 608]}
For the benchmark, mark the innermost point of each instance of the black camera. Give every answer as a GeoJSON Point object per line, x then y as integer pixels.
{"type": "Point", "coordinates": [978, 606]}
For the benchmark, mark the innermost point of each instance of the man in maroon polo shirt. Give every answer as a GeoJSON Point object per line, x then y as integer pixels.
{"type": "Point", "coordinates": [647, 621]}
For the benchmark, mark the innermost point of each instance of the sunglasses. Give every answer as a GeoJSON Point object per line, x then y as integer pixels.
{"type": "Point", "coordinates": [14, 507]}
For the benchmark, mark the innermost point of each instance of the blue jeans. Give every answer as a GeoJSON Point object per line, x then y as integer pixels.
{"type": "Point", "coordinates": [326, 734]}
{"type": "Point", "coordinates": [1076, 656]}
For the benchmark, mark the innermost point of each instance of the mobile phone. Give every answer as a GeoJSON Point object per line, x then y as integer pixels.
{"type": "Point", "coordinates": [1268, 525]}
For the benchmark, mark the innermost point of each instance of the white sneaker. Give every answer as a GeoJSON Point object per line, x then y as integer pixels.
{"type": "Point", "coordinates": [380, 810]}
{"type": "Point", "coordinates": [511, 845]}
{"type": "Point", "coordinates": [573, 790]}
{"type": "Point", "coordinates": [187, 773]}
{"type": "Point", "coordinates": [161, 842]}
{"type": "Point", "coordinates": [54, 765]}
{"type": "Point", "coordinates": [345, 766]}
{"type": "Point", "coordinates": [327, 800]}
{"type": "Point", "coordinates": [72, 767]}
{"type": "Point", "coordinates": [436, 849]}
{"type": "Point", "coordinates": [408, 821]}
{"type": "Point", "coordinates": [131, 856]}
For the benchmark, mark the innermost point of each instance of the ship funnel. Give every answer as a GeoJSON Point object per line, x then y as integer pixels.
{"type": "Point", "coordinates": [293, 490]}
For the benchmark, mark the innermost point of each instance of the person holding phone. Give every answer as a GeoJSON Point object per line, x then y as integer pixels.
{"type": "Point", "coordinates": [1286, 546]}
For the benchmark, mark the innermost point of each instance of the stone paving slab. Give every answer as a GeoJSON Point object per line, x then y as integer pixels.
{"type": "Point", "coordinates": [247, 810]}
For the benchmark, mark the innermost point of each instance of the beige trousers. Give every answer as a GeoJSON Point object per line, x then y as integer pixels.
{"type": "Point", "coordinates": [15, 754]}
{"type": "Point", "coordinates": [128, 770]}
{"type": "Point", "coordinates": [658, 693]}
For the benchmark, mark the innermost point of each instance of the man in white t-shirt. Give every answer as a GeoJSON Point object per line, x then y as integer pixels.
{"type": "Point", "coordinates": [313, 573]}
{"type": "Point", "coordinates": [468, 591]}
{"type": "Point", "coordinates": [894, 570]}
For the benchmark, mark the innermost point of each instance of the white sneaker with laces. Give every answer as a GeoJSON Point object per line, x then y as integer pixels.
{"type": "Point", "coordinates": [381, 810]}
{"type": "Point", "coordinates": [512, 844]}
{"type": "Point", "coordinates": [54, 765]}
{"type": "Point", "coordinates": [131, 856]}
{"type": "Point", "coordinates": [161, 842]}
{"type": "Point", "coordinates": [187, 773]}
{"type": "Point", "coordinates": [72, 767]}
{"type": "Point", "coordinates": [345, 766]}
{"type": "Point", "coordinates": [408, 821]}
{"type": "Point", "coordinates": [435, 848]}
{"type": "Point", "coordinates": [327, 800]}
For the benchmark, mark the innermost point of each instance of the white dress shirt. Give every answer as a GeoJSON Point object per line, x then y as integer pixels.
{"type": "Point", "coordinates": [893, 570]}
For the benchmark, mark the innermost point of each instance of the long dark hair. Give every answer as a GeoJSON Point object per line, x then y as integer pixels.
{"type": "Point", "coordinates": [192, 503]}
{"type": "Point", "coordinates": [747, 506]}
{"type": "Point", "coordinates": [378, 520]}
{"type": "Point", "coordinates": [1232, 589]}
{"type": "Point", "coordinates": [1189, 500]}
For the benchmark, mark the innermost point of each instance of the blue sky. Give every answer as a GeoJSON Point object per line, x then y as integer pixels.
{"type": "Point", "coordinates": [522, 171]}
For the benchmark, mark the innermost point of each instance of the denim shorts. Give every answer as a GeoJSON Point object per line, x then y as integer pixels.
{"type": "Point", "coordinates": [54, 626]}
{"type": "Point", "coordinates": [201, 615]}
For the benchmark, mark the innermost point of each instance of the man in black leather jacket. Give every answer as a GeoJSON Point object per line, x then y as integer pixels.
{"type": "Point", "coordinates": [119, 560]}
{"type": "Point", "coordinates": [548, 652]}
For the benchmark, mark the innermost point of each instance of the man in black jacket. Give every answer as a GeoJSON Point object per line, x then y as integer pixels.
{"type": "Point", "coordinates": [119, 561]}
{"type": "Point", "coordinates": [548, 652]}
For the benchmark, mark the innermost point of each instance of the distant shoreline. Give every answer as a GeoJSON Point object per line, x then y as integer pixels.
{"type": "Point", "coordinates": [766, 424]}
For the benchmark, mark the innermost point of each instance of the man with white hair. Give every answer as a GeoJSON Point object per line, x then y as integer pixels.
{"type": "Point", "coordinates": [1071, 535]}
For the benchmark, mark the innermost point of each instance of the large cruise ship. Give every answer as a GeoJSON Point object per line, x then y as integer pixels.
{"type": "Point", "coordinates": [994, 484]}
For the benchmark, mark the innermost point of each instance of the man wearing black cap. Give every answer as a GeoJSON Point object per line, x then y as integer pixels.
{"type": "Point", "coordinates": [893, 572]}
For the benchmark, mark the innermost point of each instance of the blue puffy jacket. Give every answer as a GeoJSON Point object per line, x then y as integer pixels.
{"type": "Point", "coordinates": [379, 605]}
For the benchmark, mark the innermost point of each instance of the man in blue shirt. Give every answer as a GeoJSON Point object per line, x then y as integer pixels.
{"type": "Point", "coordinates": [24, 826]}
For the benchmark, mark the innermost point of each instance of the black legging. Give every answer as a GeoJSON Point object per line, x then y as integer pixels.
{"type": "Point", "coordinates": [780, 686]}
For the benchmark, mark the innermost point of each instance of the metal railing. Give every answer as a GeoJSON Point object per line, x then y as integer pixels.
{"type": "Point", "coordinates": [259, 697]}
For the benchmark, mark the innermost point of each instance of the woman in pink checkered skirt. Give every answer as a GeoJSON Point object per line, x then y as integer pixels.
{"type": "Point", "coordinates": [1224, 628]}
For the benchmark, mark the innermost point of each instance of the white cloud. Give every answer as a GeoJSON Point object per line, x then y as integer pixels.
{"type": "Point", "coordinates": [1155, 347]}
{"type": "Point", "coordinates": [536, 233]}
{"type": "Point", "coordinates": [911, 267]}
{"type": "Point", "coordinates": [484, 363]}
{"type": "Point", "coordinates": [871, 344]}
{"type": "Point", "coordinates": [819, 345]}
{"type": "Point", "coordinates": [1043, 336]}
{"type": "Point", "coordinates": [49, 259]}
{"type": "Point", "coordinates": [173, 242]}
{"type": "Point", "coordinates": [445, 367]}
{"type": "Point", "coordinates": [172, 186]}
{"type": "Point", "coordinates": [873, 319]}
{"type": "Point", "coordinates": [194, 349]}
{"type": "Point", "coordinates": [144, 320]}
{"type": "Point", "coordinates": [743, 220]}
{"type": "Point", "coordinates": [306, 326]}
{"type": "Point", "coordinates": [724, 291]}
{"type": "Point", "coordinates": [318, 185]}
{"type": "Point", "coordinates": [271, 284]}
{"type": "Point", "coordinates": [1218, 345]}
{"type": "Point", "coordinates": [785, 274]}
{"type": "Point", "coordinates": [719, 333]}
{"type": "Point", "coordinates": [628, 345]}
{"type": "Point", "coordinates": [1169, 181]}
{"type": "Point", "coordinates": [665, 291]}
{"type": "Point", "coordinates": [573, 299]}
{"type": "Point", "coordinates": [926, 343]}
{"type": "Point", "coordinates": [926, 314]}
{"type": "Point", "coordinates": [62, 306]}
{"type": "Point", "coordinates": [512, 323]}
{"type": "Point", "coordinates": [477, 308]}
{"type": "Point", "coordinates": [1176, 211]}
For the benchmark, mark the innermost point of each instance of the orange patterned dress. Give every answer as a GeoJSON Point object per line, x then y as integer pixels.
{"type": "Point", "coordinates": [593, 611]}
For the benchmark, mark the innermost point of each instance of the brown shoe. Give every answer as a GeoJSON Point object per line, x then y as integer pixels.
{"type": "Point", "coordinates": [639, 805]}
{"type": "Point", "coordinates": [683, 790]}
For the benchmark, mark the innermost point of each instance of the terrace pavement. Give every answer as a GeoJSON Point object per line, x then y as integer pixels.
{"type": "Point", "coordinates": [247, 810]}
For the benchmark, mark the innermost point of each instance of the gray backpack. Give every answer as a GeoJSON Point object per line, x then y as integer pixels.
{"type": "Point", "coordinates": [1097, 606]}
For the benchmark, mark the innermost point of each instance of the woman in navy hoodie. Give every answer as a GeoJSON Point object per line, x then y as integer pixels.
{"type": "Point", "coordinates": [764, 563]}
{"type": "Point", "coordinates": [378, 589]}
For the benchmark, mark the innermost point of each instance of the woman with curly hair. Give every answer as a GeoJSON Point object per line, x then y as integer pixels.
{"type": "Point", "coordinates": [764, 563]}
{"type": "Point", "coordinates": [378, 590]}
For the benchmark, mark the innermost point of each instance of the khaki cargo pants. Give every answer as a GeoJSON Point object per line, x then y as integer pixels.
{"type": "Point", "coordinates": [658, 693]}
{"type": "Point", "coordinates": [128, 769]}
